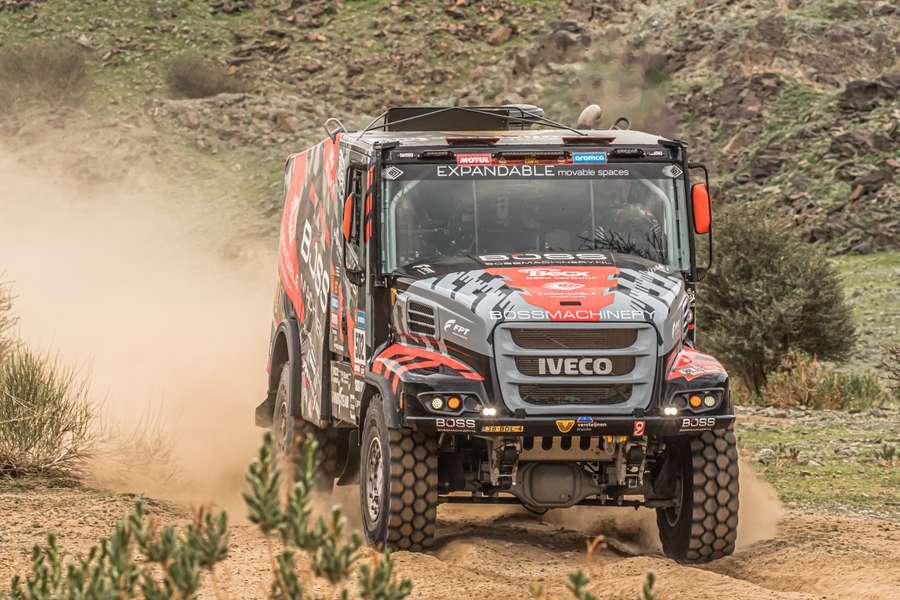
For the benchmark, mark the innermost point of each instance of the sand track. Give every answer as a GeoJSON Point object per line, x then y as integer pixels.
{"type": "Point", "coordinates": [501, 553]}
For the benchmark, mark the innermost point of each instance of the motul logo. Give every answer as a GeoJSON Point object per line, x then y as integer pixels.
{"type": "Point", "coordinates": [574, 366]}
{"type": "Point", "coordinates": [473, 159]}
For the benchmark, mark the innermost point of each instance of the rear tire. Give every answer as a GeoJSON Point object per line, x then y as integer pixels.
{"type": "Point", "coordinates": [290, 431]}
{"type": "Point", "coordinates": [704, 526]}
{"type": "Point", "coordinates": [398, 484]}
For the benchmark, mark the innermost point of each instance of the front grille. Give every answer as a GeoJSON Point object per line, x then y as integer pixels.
{"type": "Point", "coordinates": [575, 394]}
{"type": "Point", "coordinates": [530, 365]}
{"type": "Point", "coordinates": [574, 339]}
{"type": "Point", "coordinates": [421, 318]}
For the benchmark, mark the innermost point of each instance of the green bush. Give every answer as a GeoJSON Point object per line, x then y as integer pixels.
{"type": "Point", "coordinates": [46, 420]}
{"type": "Point", "coordinates": [192, 76]}
{"type": "Point", "coordinates": [769, 294]}
{"type": "Point", "coordinates": [48, 73]}
{"type": "Point", "coordinates": [114, 569]}
{"type": "Point", "coordinates": [141, 560]}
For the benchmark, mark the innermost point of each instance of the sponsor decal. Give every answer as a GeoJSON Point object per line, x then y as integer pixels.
{"type": "Point", "coordinates": [695, 423]}
{"type": "Point", "coordinates": [474, 159]}
{"type": "Point", "coordinates": [529, 171]}
{"type": "Point", "coordinates": [562, 286]}
{"type": "Point", "coordinates": [553, 273]}
{"type": "Point", "coordinates": [571, 315]}
{"type": "Point", "coordinates": [589, 158]}
{"type": "Point", "coordinates": [455, 424]}
{"type": "Point", "coordinates": [392, 173]}
{"type": "Point", "coordinates": [424, 269]}
{"type": "Point", "coordinates": [359, 351]}
{"type": "Point", "coordinates": [503, 429]}
{"type": "Point", "coordinates": [585, 423]}
{"type": "Point", "coordinates": [640, 427]}
{"type": "Point", "coordinates": [524, 258]}
{"type": "Point", "coordinates": [565, 425]}
{"type": "Point", "coordinates": [655, 153]}
{"type": "Point", "coordinates": [574, 366]}
{"type": "Point", "coordinates": [672, 171]}
{"type": "Point", "coordinates": [690, 364]}
{"type": "Point", "coordinates": [334, 302]}
{"type": "Point", "coordinates": [361, 319]}
{"type": "Point", "coordinates": [455, 328]}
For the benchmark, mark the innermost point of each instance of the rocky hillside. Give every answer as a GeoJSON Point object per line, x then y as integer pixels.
{"type": "Point", "coordinates": [793, 103]}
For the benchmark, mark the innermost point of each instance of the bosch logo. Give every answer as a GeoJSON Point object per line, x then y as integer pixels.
{"type": "Point", "coordinates": [562, 286]}
{"type": "Point", "coordinates": [575, 366]}
{"type": "Point", "coordinates": [553, 273]}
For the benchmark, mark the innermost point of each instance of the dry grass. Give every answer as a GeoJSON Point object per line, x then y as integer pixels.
{"type": "Point", "coordinates": [192, 76]}
{"type": "Point", "coordinates": [7, 321]}
{"type": "Point", "coordinates": [804, 382]}
{"type": "Point", "coordinates": [46, 420]}
{"type": "Point", "coordinates": [54, 74]}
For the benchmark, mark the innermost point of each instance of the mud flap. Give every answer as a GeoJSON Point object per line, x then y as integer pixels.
{"type": "Point", "coordinates": [349, 474]}
{"type": "Point", "coordinates": [265, 410]}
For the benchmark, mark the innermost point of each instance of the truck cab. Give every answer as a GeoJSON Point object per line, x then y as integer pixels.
{"type": "Point", "coordinates": [482, 305]}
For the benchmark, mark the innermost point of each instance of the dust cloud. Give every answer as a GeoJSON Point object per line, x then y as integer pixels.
{"type": "Point", "coordinates": [634, 532]}
{"type": "Point", "coordinates": [127, 280]}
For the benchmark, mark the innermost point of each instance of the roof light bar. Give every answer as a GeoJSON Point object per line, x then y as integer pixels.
{"type": "Point", "coordinates": [472, 141]}
{"type": "Point", "coordinates": [587, 140]}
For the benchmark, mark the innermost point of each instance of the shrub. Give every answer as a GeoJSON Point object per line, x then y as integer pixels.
{"type": "Point", "coordinates": [46, 420]}
{"type": "Point", "coordinates": [7, 320]}
{"type": "Point", "coordinates": [769, 294]}
{"type": "Point", "coordinates": [890, 367]}
{"type": "Point", "coordinates": [50, 73]}
{"type": "Point", "coordinates": [141, 559]}
{"type": "Point", "coordinates": [804, 382]}
{"type": "Point", "coordinates": [113, 568]}
{"type": "Point", "coordinates": [192, 76]}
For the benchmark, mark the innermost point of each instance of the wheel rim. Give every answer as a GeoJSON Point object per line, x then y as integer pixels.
{"type": "Point", "coordinates": [374, 479]}
{"type": "Point", "coordinates": [283, 429]}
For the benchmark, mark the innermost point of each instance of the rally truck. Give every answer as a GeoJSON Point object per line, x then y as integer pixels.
{"type": "Point", "coordinates": [483, 305]}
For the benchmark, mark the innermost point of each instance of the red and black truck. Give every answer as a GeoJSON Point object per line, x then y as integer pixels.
{"type": "Point", "coordinates": [482, 305]}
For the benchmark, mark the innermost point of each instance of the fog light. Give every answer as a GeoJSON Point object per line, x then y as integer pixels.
{"type": "Point", "coordinates": [709, 400]}
{"type": "Point", "coordinates": [453, 402]}
{"type": "Point", "coordinates": [489, 411]}
{"type": "Point", "coordinates": [437, 403]}
{"type": "Point", "coordinates": [670, 411]}
{"type": "Point", "coordinates": [695, 401]}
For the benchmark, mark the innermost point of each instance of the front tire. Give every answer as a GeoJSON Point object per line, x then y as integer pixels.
{"type": "Point", "coordinates": [703, 526]}
{"type": "Point", "coordinates": [398, 484]}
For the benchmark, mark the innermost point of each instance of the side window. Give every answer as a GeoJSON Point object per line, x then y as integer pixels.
{"type": "Point", "coordinates": [357, 190]}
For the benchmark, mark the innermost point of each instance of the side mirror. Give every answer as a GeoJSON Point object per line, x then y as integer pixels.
{"type": "Point", "coordinates": [348, 217]}
{"type": "Point", "coordinates": [355, 273]}
{"type": "Point", "coordinates": [702, 209]}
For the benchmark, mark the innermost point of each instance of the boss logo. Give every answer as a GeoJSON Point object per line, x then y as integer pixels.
{"type": "Point", "coordinates": [451, 423]}
{"type": "Point", "coordinates": [698, 423]}
{"type": "Point", "coordinates": [575, 366]}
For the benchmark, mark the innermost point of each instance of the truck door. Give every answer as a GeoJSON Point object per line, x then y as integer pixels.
{"type": "Point", "coordinates": [348, 302]}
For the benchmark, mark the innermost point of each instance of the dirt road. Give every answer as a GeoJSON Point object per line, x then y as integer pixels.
{"type": "Point", "coordinates": [500, 553]}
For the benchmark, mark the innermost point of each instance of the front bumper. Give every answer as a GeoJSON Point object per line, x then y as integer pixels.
{"type": "Point", "coordinates": [572, 426]}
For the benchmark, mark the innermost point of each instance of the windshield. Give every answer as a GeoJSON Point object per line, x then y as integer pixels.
{"type": "Point", "coordinates": [436, 211]}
